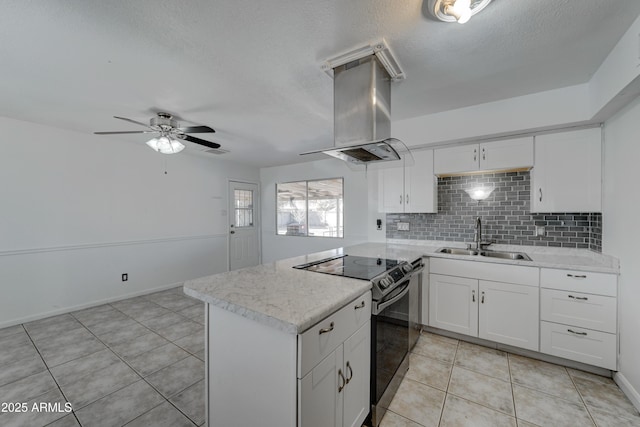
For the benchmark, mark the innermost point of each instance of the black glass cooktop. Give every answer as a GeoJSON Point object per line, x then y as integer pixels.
{"type": "Point", "coordinates": [356, 267]}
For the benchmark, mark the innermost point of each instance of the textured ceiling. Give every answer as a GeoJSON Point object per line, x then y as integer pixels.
{"type": "Point", "coordinates": [251, 69]}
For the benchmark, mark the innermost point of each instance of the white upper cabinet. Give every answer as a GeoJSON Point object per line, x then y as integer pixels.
{"type": "Point", "coordinates": [567, 176]}
{"type": "Point", "coordinates": [496, 155]}
{"type": "Point", "coordinates": [412, 189]}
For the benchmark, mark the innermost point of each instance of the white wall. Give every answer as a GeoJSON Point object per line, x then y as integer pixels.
{"type": "Point", "coordinates": [79, 210]}
{"type": "Point", "coordinates": [359, 221]}
{"type": "Point", "coordinates": [621, 234]}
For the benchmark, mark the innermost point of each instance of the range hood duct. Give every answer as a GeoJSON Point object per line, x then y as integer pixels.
{"type": "Point", "coordinates": [362, 115]}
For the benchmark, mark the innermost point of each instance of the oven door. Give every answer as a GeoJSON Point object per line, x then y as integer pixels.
{"type": "Point", "coordinates": [389, 348]}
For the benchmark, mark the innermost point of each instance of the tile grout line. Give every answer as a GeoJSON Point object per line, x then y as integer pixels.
{"type": "Point", "coordinates": [46, 365]}
{"type": "Point", "coordinates": [593, 420]}
{"type": "Point", "coordinates": [166, 399]}
{"type": "Point", "coordinates": [446, 393]}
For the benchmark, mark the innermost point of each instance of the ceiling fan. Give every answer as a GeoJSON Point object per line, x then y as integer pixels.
{"type": "Point", "coordinates": [169, 132]}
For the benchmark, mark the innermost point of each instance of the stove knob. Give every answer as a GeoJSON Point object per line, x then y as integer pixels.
{"type": "Point", "coordinates": [407, 268]}
{"type": "Point", "coordinates": [385, 282]}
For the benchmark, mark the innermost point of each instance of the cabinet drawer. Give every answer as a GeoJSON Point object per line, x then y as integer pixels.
{"type": "Point", "coordinates": [582, 345]}
{"type": "Point", "coordinates": [518, 274]}
{"type": "Point", "coordinates": [584, 310]}
{"type": "Point", "coordinates": [313, 346]}
{"type": "Point", "coordinates": [579, 281]}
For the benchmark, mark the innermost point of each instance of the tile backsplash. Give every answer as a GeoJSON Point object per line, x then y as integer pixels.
{"type": "Point", "coordinates": [506, 217]}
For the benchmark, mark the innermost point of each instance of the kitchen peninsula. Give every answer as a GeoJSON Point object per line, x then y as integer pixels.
{"type": "Point", "coordinates": [257, 319]}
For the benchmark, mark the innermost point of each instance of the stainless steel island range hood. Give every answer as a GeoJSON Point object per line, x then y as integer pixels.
{"type": "Point", "coordinates": [362, 114]}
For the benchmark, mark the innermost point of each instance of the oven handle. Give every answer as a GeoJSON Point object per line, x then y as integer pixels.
{"type": "Point", "coordinates": [384, 304]}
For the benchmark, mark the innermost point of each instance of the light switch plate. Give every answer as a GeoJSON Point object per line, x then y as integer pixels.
{"type": "Point", "coordinates": [403, 226]}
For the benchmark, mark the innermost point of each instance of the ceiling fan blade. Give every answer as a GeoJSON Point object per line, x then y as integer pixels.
{"type": "Point", "coordinates": [199, 141]}
{"type": "Point", "coordinates": [197, 129]}
{"type": "Point", "coordinates": [126, 131]}
{"type": "Point", "coordinates": [133, 121]}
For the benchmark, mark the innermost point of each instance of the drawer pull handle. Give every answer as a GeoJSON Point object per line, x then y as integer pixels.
{"type": "Point", "coordinates": [344, 382]}
{"type": "Point", "coordinates": [579, 298]}
{"type": "Point", "coordinates": [359, 306]}
{"type": "Point", "coordinates": [349, 373]}
{"type": "Point", "coordinates": [325, 330]}
{"type": "Point", "coordinates": [577, 276]}
{"type": "Point", "coordinates": [577, 333]}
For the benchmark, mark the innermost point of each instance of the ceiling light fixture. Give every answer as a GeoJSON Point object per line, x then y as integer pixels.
{"type": "Point", "coordinates": [459, 11]}
{"type": "Point", "coordinates": [165, 145]}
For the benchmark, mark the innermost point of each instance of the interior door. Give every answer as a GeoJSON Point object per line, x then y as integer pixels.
{"type": "Point", "coordinates": [243, 227]}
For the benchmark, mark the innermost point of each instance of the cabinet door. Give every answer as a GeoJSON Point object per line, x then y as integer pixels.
{"type": "Point", "coordinates": [357, 368]}
{"type": "Point", "coordinates": [320, 404]}
{"type": "Point", "coordinates": [453, 304]}
{"type": "Point", "coordinates": [420, 184]}
{"type": "Point", "coordinates": [456, 159]}
{"type": "Point", "coordinates": [391, 185]}
{"type": "Point", "coordinates": [507, 154]}
{"type": "Point", "coordinates": [567, 173]}
{"type": "Point", "coordinates": [508, 314]}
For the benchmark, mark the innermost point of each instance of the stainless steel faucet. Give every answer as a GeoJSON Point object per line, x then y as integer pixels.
{"type": "Point", "coordinates": [477, 234]}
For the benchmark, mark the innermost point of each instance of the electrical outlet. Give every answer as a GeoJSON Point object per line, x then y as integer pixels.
{"type": "Point", "coordinates": [403, 226]}
{"type": "Point", "coordinates": [540, 230]}
{"type": "Point", "coordinates": [125, 277]}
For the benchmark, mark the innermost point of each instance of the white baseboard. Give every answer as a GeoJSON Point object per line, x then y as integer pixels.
{"type": "Point", "coordinates": [627, 389]}
{"type": "Point", "coordinates": [64, 310]}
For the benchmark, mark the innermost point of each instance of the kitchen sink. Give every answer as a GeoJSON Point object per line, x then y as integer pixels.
{"type": "Point", "coordinates": [457, 251]}
{"type": "Point", "coordinates": [518, 256]}
{"type": "Point", "coordinates": [506, 255]}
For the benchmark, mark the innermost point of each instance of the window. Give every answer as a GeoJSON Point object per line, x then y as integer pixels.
{"type": "Point", "coordinates": [243, 206]}
{"type": "Point", "coordinates": [310, 208]}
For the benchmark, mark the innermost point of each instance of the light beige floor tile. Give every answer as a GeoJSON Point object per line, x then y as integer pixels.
{"type": "Point", "coordinates": [485, 360]}
{"type": "Point", "coordinates": [543, 376]}
{"type": "Point", "coordinates": [574, 373]}
{"type": "Point", "coordinates": [605, 398]}
{"type": "Point", "coordinates": [522, 423]}
{"type": "Point", "coordinates": [418, 402]}
{"type": "Point", "coordinates": [441, 338]}
{"type": "Point", "coordinates": [429, 371]}
{"type": "Point", "coordinates": [606, 419]}
{"type": "Point", "coordinates": [545, 410]}
{"type": "Point", "coordinates": [482, 389]}
{"type": "Point", "coordinates": [391, 419]}
{"type": "Point", "coordinates": [462, 413]}
{"type": "Point", "coordinates": [436, 348]}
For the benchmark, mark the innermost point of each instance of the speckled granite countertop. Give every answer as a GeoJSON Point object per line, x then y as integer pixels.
{"type": "Point", "coordinates": [569, 259]}
{"type": "Point", "coordinates": [292, 300]}
{"type": "Point", "coordinates": [283, 297]}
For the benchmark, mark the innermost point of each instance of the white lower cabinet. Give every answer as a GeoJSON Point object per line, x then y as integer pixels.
{"type": "Point", "coordinates": [500, 312]}
{"type": "Point", "coordinates": [508, 314]}
{"type": "Point", "coordinates": [336, 391]}
{"type": "Point", "coordinates": [453, 304]}
{"type": "Point", "coordinates": [579, 316]}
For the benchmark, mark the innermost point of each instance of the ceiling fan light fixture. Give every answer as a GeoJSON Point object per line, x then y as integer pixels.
{"type": "Point", "coordinates": [165, 145]}
{"type": "Point", "coordinates": [459, 11]}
